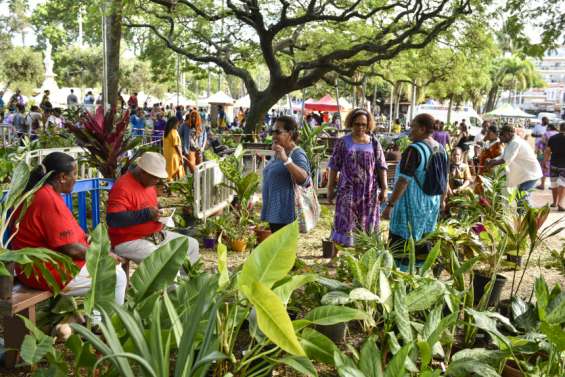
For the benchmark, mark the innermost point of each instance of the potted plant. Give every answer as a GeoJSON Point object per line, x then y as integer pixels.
{"type": "Point", "coordinates": [262, 231]}
{"type": "Point", "coordinates": [209, 233]}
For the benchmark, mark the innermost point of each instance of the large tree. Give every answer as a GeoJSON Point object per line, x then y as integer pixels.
{"type": "Point", "coordinates": [299, 42]}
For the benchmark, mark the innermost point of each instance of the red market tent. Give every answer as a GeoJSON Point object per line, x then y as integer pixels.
{"type": "Point", "coordinates": [326, 103]}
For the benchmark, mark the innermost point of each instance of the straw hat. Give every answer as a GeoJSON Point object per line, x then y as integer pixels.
{"type": "Point", "coordinates": [153, 163]}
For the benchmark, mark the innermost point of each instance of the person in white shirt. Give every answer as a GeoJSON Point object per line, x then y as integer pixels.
{"type": "Point", "coordinates": [522, 167]}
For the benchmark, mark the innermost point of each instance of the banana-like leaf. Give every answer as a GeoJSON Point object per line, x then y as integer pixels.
{"type": "Point", "coordinates": [222, 251]}
{"type": "Point", "coordinates": [425, 296]}
{"type": "Point", "coordinates": [318, 346]}
{"type": "Point", "coordinates": [159, 270]}
{"type": "Point", "coordinates": [284, 291]}
{"type": "Point", "coordinates": [102, 270]}
{"type": "Point", "coordinates": [272, 259]}
{"type": "Point", "coordinates": [300, 364]}
{"type": "Point", "coordinates": [272, 318]}
{"type": "Point", "coordinates": [332, 314]}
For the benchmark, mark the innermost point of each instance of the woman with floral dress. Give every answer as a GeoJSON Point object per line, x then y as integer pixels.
{"type": "Point", "coordinates": [362, 185]}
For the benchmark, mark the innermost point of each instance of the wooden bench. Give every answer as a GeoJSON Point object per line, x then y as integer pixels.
{"type": "Point", "coordinates": [24, 299]}
{"type": "Point", "coordinates": [23, 302]}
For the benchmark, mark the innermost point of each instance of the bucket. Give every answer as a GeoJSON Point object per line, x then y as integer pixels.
{"type": "Point", "coordinates": [328, 249]}
{"type": "Point", "coordinates": [479, 283]}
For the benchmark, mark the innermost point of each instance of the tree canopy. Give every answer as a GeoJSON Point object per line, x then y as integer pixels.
{"type": "Point", "coordinates": [298, 42]}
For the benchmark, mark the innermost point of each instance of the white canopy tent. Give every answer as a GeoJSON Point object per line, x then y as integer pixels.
{"type": "Point", "coordinates": [244, 102]}
{"type": "Point", "coordinates": [509, 111]}
{"type": "Point", "coordinates": [220, 98]}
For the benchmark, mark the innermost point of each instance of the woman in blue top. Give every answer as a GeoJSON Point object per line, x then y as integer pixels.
{"type": "Point", "coordinates": [412, 212]}
{"type": "Point", "coordinates": [289, 166]}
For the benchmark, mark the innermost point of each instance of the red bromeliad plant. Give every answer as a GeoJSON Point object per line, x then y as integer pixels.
{"type": "Point", "coordinates": [107, 140]}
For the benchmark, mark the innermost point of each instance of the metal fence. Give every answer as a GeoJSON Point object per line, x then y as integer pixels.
{"type": "Point", "coordinates": [8, 135]}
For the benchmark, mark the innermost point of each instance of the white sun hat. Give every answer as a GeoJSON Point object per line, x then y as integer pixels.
{"type": "Point", "coordinates": [153, 163]}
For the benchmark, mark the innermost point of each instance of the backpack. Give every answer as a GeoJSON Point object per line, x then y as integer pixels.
{"type": "Point", "coordinates": [437, 169]}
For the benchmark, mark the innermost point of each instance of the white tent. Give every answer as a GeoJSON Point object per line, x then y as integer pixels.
{"type": "Point", "coordinates": [220, 98]}
{"type": "Point", "coordinates": [244, 102]}
{"type": "Point", "coordinates": [345, 103]}
{"type": "Point", "coordinates": [509, 111]}
{"type": "Point", "coordinates": [172, 98]}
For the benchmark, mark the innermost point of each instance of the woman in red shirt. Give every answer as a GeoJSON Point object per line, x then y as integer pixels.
{"type": "Point", "coordinates": [48, 223]}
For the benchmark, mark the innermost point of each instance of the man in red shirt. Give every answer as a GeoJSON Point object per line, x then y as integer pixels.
{"type": "Point", "coordinates": [133, 212]}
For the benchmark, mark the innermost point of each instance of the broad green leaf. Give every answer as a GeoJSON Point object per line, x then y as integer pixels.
{"type": "Point", "coordinates": [402, 316]}
{"type": "Point", "coordinates": [158, 270]}
{"type": "Point", "coordinates": [33, 350]}
{"type": "Point", "coordinates": [272, 318]}
{"type": "Point", "coordinates": [222, 251]}
{"type": "Point", "coordinates": [557, 314]}
{"type": "Point", "coordinates": [482, 355]}
{"type": "Point", "coordinates": [484, 321]}
{"type": "Point", "coordinates": [335, 298]}
{"type": "Point", "coordinates": [102, 270]}
{"type": "Point", "coordinates": [176, 324]}
{"type": "Point", "coordinates": [272, 259]}
{"type": "Point", "coordinates": [317, 346]}
{"type": "Point", "coordinates": [332, 314]}
{"type": "Point", "coordinates": [542, 297]}
{"type": "Point", "coordinates": [284, 291]}
{"type": "Point", "coordinates": [396, 367]}
{"type": "Point", "coordinates": [555, 334]}
{"type": "Point", "coordinates": [385, 292]}
{"type": "Point", "coordinates": [425, 296]}
{"type": "Point", "coordinates": [370, 359]}
{"type": "Point", "coordinates": [84, 355]}
{"type": "Point", "coordinates": [431, 258]}
{"type": "Point", "coordinates": [425, 353]}
{"type": "Point", "coordinates": [300, 364]}
{"type": "Point", "coordinates": [363, 294]}
{"type": "Point", "coordinates": [333, 284]}
{"type": "Point", "coordinates": [469, 367]}
{"type": "Point", "coordinates": [349, 371]}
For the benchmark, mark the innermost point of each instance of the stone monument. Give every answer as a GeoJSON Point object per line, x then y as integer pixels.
{"type": "Point", "coordinates": [49, 82]}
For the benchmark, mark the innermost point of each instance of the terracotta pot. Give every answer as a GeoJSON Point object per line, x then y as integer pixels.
{"type": "Point", "coordinates": [262, 234]}
{"type": "Point", "coordinates": [328, 249]}
{"type": "Point", "coordinates": [238, 246]}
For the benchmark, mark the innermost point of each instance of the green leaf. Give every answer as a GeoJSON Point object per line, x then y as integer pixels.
{"type": "Point", "coordinates": [370, 360]}
{"type": "Point", "coordinates": [300, 364]}
{"type": "Point", "coordinates": [396, 367]}
{"type": "Point", "coordinates": [272, 318]}
{"type": "Point", "coordinates": [102, 270]}
{"type": "Point", "coordinates": [33, 350]}
{"type": "Point", "coordinates": [284, 291]}
{"type": "Point", "coordinates": [555, 334]}
{"type": "Point", "coordinates": [425, 353]}
{"type": "Point", "coordinates": [425, 296]}
{"type": "Point", "coordinates": [431, 258]}
{"type": "Point", "coordinates": [224, 279]}
{"type": "Point", "coordinates": [335, 298]}
{"type": "Point", "coordinates": [482, 355]}
{"type": "Point", "coordinates": [317, 346]}
{"type": "Point", "coordinates": [385, 292]}
{"type": "Point", "coordinates": [176, 324]}
{"type": "Point", "coordinates": [402, 316]}
{"type": "Point", "coordinates": [542, 297]}
{"type": "Point", "coordinates": [468, 367]}
{"type": "Point", "coordinates": [272, 259]}
{"type": "Point", "coordinates": [349, 371]}
{"type": "Point", "coordinates": [331, 314]}
{"type": "Point", "coordinates": [557, 314]}
{"type": "Point", "coordinates": [158, 270]}
{"type": "Point", "coordinates": [363, 294]}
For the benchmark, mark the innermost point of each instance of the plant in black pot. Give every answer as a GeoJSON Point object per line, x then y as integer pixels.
{"type": "Point", "coordinates": [487, 282]}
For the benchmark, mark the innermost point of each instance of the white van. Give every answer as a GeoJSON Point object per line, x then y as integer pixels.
{"type": "Point", "coordinates": [458, 113]}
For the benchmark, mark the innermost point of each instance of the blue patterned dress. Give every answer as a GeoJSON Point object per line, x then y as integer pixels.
{"type": "Point", "coordinates": [357, 204]}
{"type": "Point", "coordinates": [415, 213]}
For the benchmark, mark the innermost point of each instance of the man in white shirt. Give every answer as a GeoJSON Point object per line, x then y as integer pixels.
{"type": "Point", "coordinates": [522, 167]}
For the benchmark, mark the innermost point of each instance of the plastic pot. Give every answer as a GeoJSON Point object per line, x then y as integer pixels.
{"type": "Point", "coordinates": [262, 234]}
{"type": "Point", "coordinates": [516, 259]}
{"type": "Point", "coordinates": [511, 370]}
{"type": "Point", "coordinates": [335, 332]}
{"type": "Point", "coordinates": [209, 242]}
{"type": "Point", "coordinates": [238, 246]}
{"type": "Point", "coordinates": [7, 283]}
{"type": "Point", "coordinates": [479, 284]}
{"type": "Point", "coordinates": [328, 249]}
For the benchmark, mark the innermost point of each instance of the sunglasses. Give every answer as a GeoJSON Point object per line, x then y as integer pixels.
{"type": "Point", "coordinates": [276, 131]}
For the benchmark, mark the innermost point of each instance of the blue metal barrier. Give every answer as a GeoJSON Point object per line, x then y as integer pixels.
{"type": "Point", "coordinates": [81, 189]}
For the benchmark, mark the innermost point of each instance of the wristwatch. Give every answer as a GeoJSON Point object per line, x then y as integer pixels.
{"type": "Point", "coordinates": [288, 161]}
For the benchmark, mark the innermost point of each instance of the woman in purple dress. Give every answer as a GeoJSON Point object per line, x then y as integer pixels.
{"type": "Point", "coordinates": [362, 185]}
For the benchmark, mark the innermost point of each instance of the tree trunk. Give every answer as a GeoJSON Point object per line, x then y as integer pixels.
{"type": "Point", "coordinates": [491, 99]}
{"type": "Point", "coordinates": [449, 108]}
{"type": "Point", "coordinates": [114, 27]}
{"type": "Point", "coordinates": [260, 104]}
